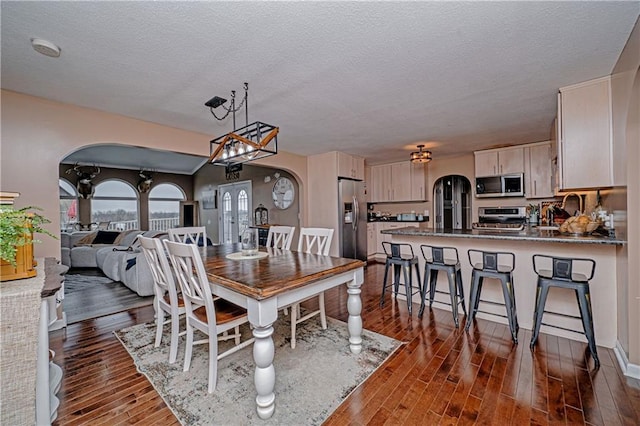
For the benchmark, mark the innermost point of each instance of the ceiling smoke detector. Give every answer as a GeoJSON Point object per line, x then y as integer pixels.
{"type": "Point", "coordinates": [45, 47]}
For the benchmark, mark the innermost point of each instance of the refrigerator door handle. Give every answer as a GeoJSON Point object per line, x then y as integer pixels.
{"type": "Point", "coordinates": [356, 212]}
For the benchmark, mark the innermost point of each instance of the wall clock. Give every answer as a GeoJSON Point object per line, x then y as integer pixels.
{"type": "Point", "coordinates": [283, 193]}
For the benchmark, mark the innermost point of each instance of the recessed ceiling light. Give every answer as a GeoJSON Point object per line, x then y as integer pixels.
{"type": "Point", "coordinates": [45, 47]}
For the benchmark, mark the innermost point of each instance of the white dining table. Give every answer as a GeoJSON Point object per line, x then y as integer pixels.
{"type": "Point", "coordinates": [263, 286]}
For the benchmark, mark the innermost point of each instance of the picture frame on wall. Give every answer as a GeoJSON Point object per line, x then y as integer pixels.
{"type": "Point", "coordinates": [209, 199]}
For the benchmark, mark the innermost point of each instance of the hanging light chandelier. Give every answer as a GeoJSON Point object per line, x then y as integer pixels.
{"type": "Point", "coordinates": [420, 156]}
{"type": "Point", "coordinates": [251, 142]}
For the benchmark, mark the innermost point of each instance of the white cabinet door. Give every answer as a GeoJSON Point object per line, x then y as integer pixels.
{"type": "Point", "coordinates": [418, 182]}
{"type": "Point", "coordinates": [372, 239]}
{"type": "Point", "coordinates": [538, 171]}
{"type": "Point", "coordinates": [381, 183]}
{"type": "Point", "coordinates": [358, 168]}
{"type": "Point", "coordinates": [511, 161]}
{"type": "Point", "coordinates": [350, 166]}
{"type": "Point", "coordinates": [401, 181]}
{"type": "Point", "coordinates": [585, 135]}
{"type": "Point", "coordinates": [486, 163]}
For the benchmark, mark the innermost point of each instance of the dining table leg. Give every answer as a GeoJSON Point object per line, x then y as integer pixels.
{"type": "Point", "coordinates": [262, 315]}
{"type": "Point", "coordinates": [354, 306]}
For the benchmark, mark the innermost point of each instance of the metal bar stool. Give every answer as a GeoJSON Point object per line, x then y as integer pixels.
{"type": "Point", "coordinates": [442, 259]}
{"type": "Point", "coordinates": [562, 275]}
{"type": "Point", "coordinates": [498, 265]}
{"type": "Point", "coordinates": [400, 261]}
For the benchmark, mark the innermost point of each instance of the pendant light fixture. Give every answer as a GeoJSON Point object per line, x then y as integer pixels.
{"type": "Point", "coordinates": [251, 142]}
{"type": "Point", "coordinates": [420, 156]}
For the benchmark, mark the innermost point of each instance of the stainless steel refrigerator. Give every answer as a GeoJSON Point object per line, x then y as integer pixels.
{"type": "Point", "coordinates": [352, 206]}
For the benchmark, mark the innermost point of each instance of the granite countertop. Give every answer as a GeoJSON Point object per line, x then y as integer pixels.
{"type": "Point", "coordinates": [528, 234]}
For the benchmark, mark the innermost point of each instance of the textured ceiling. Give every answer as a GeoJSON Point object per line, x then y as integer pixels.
{"type": "Point", "coordinates": [367, 78]}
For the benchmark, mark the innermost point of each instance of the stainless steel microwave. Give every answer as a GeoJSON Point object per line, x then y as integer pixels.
{"type": "Point", "coordinates": [511, 185]}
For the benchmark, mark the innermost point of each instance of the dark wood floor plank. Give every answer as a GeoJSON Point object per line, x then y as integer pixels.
{"type": "Point", "coordinates": [441, 375]}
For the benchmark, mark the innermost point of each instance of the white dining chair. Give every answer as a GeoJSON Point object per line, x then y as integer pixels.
{"type": "Point", "coordinates": [167, 300]}
{"type": "Point", "coordinates": [316, 241]}
{"type": "Point", "coordinates": [189, 235]}
{"type": "Point", "coordinates": [280, 237]}
{"type": "Point", "coordinates": [202, 312]}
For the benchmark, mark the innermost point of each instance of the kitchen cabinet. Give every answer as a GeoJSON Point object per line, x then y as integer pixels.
{"type": "Point", "coordinates": [350, 166]}
{"type": "Point", "coordinates": [371, 239]}
{"type": "Point", "coordinates": [493, 162]}
{"type": "Point", "coordinates": [380, 238]}
{"type": "Point", "coordinates": [398, 182]}
{"type": "Point", "coordinates": [538, 172]}
{"type": "Point", "coordinates": [585, 139]}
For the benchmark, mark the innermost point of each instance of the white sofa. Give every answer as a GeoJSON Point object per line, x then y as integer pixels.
{"type": "Point", "coordinates": [74, 254]}
{"type": "Point", "coordinates": [128, 265]}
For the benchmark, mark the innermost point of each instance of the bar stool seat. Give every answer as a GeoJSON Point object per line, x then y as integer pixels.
{"type": "Point", "coordinates": [400, 261]}
{"type": "Point", "coordinates": [442, 259]}
{"type": "Point", "coordinates": [558, 272]}
{"type": "Point", "coordinates": [499, 266]}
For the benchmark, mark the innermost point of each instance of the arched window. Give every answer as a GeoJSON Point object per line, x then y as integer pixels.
{"type": "Point", "coordinates": [68, 205]}
{"type": "Point", "coordinates": [115, 202]}
{"type": "Point", "coordinates": [164, 206]}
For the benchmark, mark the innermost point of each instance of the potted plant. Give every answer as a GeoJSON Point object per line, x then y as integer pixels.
{"type": "Point", "coordinates": [16, 241]}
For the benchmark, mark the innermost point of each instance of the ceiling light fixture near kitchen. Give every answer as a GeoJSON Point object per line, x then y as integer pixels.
{"type": "Point", "coordinates": [45, 47]}
{"type": "Point", "coordinates": [251, 142]}
{"type": "Point", "coordinates": [420, 156]}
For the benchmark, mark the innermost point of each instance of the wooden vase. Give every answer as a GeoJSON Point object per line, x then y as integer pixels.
{"type": "Point", "coordinates": [25, 265]}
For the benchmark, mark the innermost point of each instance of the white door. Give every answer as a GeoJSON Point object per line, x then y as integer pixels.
{"type": "Point", "coordinates": [235, 210]}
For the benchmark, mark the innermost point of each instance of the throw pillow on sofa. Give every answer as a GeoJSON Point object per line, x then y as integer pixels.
{"type": "Point", "coordinates": [87, 239]}
{"type": "Point", "coordinates": [105, 237]}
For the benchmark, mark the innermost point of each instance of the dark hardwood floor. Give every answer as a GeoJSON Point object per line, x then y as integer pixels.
{"type": "Point", "coordinates": [440, 376]}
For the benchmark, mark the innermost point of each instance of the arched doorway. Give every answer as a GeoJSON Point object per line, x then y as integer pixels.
{"type": "Point", "coordinates": [452, 200]}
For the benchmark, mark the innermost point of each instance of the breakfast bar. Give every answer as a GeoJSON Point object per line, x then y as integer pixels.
{"type": "Point", "coordinates": [524, 244]}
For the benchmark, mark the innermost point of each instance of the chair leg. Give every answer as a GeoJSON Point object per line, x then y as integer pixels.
{"type": "Point", "coordinates": [323, 314]}
{"type": "Point", "coordinates": [159, 326]}
{"type": "Point", "coordinates": [513, 302]}
{"type": "Point", "coordinates": [384, 283]}
{"type": "Point", "coordinates": [419, 280]}
{"type": "Point", "coordinates": [460, 290]}
{"type": "Point", "coordinates": [175, 333]}
{"type": "Point", "coordinates": [396, 279]}
{"type": "Point", "coordinates": [237, 331]}
{"type": "Point", "coordinates": [541, 299]}
{"type": "Point", "coordinates": [189, 348]}
{"type": "Point", "coordinates": [423, 290]}
{"type": "Point", "coordinates": [294, 321]}
{"type": "Point", "coordinates": [584, 302]}
{"type": "Point", "coordinates": [213, 363]}
{"type": "Point", "coordinates": [432, 286]}
{"type": "Point", "coordinates": [407, 286]}
{"type": "Point", "coordinates": [506, 292]}
{"type": "Point", "coordinates": [453, 294]}
{"type": "Point", "coordinates": [473, 306]}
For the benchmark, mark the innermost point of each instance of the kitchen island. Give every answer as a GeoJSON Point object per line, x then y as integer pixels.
{"type": "Point", "coordinates": [524, 244]}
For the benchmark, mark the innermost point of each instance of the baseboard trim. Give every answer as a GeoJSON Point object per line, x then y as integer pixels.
{"type": "Point", "coordinates": [629, 370]}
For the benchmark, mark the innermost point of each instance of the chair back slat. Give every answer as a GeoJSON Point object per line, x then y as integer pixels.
{"type": "Point", "coordinates": [189, 235]}
{"type": "Point", "coordinates": [280, 237]}
{"type": "Point", "coordinates": [191, 276]}
{"type": "Point", "coordinates": [160, 269]}
{"type": "Point", "coordinates": [315, 240]}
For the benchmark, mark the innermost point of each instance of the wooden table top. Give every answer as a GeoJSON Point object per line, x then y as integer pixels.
{"type": "Point", "coordinates": [281, 271]}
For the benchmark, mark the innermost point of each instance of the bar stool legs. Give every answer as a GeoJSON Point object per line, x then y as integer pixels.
{"type": "Point", "coordinates": [434, 262]}
{"type": "Point", "coordinates": [561, 275]}
{"type": "Point", "coordinates": [500, 266]}
{"type": "Point", "coordinates": [400, 263]}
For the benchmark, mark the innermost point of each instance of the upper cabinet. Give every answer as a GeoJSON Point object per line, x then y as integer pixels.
{"type": "Point", "coordinates": [396, 182]}
{"type": "Point", "coordinates": [350, 166]}
{"type": "Point", "coordinates": [501, 161]}
{"type": "Point", "coordinates": [538, 170]}
{"type": "Point", "coordinates": [585, 140]}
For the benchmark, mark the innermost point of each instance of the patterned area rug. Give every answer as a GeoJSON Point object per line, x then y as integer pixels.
{"type": "Point", "coordinates": [311, 380]}
{"type": "Point", "coordinates": [93, 295]}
